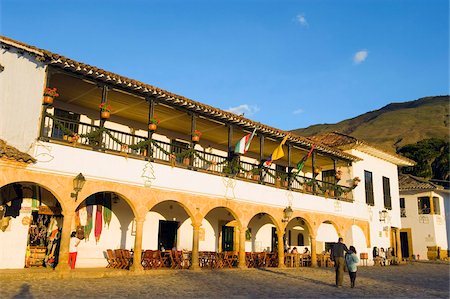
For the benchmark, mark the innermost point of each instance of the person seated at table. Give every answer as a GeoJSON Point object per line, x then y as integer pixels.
{"type": "Point", "coordinates": [306, 252]}
{"type": "Point", "coordinates": [294, 250]}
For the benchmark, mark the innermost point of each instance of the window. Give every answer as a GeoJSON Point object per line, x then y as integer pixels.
{"type": "Point", "coordinates": [387, 193]}
{"type": "Point", "coordinates": [67, 119]}
{"type": "Point", "coordinates": [402, 207]}
{"type": "Point", "coordinates": [423, 205]}
{"type": "Point", "coordinates": [436, 207]}
{"type": "Point", "coordinates": [369, 188]}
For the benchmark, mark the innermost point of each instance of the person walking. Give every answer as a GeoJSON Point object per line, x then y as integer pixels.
{"type": "Point", "coordinates": [337, 254]}
{"type": "Point", "coordinates": [351, 259]}
{"type": "Point", "coordinates": [73, 250]}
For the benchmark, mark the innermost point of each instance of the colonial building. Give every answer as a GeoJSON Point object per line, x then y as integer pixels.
{"type": "Point", "coordinates": [424, 211]}
{"type": "Point", "coordinates": [129, 165]}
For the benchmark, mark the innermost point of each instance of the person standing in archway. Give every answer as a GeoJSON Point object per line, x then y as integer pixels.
{"type": "Point", "coordinates": [73, 250]}
{"type": "Point", "coordinates": [337, 254]}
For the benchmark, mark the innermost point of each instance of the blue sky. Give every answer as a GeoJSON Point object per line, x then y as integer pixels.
{"type": "Point", "coordinates": [288, 64]}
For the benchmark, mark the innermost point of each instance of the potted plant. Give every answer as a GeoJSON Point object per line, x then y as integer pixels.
{"type": "Point", "coordinates": [256, 174]}
{"type": "Point", "coordinates": [49, 95]}
{"type": "Point", "coordinates": [308, 185]}
{"type": "Point", "coordinates": [105, 110]}
{"type": "Point", "coordinates": [356, 181]}
{"type": "Point", "coordinates": [196, 136]}
{"type": "Point", "coordinates": [153, 124]}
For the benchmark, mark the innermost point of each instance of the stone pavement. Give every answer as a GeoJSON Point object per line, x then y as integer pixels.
{"type": "Point", "coordinates": [414, 280]}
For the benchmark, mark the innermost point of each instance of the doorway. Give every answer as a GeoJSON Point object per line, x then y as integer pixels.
{"type": "Point", "coordinates": [274, 239]}
{"type": "Point", "coordinates": [404, 244]}
{"type": "Point", "coordinates": [227, 238]}
{"type": "Point", "coordinates": [167, 234]}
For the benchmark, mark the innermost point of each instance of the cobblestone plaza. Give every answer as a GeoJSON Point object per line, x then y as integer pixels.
{"type": "Point", "coordinates": [415, 280]}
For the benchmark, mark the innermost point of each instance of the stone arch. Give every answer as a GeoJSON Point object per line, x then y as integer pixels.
{"type": "Point", "coordinates": [259, 232]}
{"type": "Point", "coordinates": [355, 236]}
{"type": "Point", "coordinates": [182, 204]}
{"type": "Point", "coordinates": [64, 204]}
{"type": "Point", "coordinates": [230, 210]}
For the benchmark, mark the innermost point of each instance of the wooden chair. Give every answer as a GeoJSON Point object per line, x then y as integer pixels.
{"type": "Point", "coordinates": [229, 259]}
{"type": "Point", "coordinates": [249, 260]}
{"type": "Point", "coordinates": [110, 257]}
{"type": "Point", "coordinates": [261, 259]}
{"type": "Point", "coordinates": [128, 260]}
{"type": "Point", "coordinates": [147, 259]}
{"type": "Point", "coordinates": [121, 263]}
{"type": "Point", "coordinates": [176, 260]}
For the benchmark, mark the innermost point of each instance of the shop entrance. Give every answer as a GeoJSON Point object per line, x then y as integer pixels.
{"type": "Point", "coordinates": [30, 215]}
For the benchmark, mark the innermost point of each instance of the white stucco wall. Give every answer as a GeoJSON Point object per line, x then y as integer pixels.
{"type": "Point", "coordinates": [379, 231]}
{"type": "Point", "coordinates": [426, 229]}
{"type": "Point", "coordinates": [21, 87]}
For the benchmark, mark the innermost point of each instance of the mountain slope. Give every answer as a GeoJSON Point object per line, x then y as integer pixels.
{"type": "Point", "coordinates": [396, 124]}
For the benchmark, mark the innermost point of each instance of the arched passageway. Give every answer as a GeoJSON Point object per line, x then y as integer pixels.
{"type": "Point", "coordinates": [31, 223]}
{"type": "Point", "coordinates": [261, 234]}
{"type": "Point", "coordinates": [219, 231]}
{"type": "Point", "coordinates": [103, 220]}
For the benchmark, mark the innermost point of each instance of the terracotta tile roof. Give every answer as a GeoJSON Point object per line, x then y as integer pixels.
{"type": "Point", "coordinates": [345, 142]}
{"type": "Point", "coordinates": [334, 139]}
{"type": "Point", "coordinates": [164, 96]}
{"type": "Point", "coordinates": [410, 182]}
{"type": "Point", "coordinates": [12, 153]}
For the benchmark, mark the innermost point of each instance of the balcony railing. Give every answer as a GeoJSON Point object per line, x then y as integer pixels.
{"type": "Point", "coordinates": [82, 134]}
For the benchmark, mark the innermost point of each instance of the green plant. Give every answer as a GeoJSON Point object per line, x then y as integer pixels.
{"type": "Point", "coordinates": [154, 120]}
{"type": "Point", "coordinates": [197, 133]}
{"type": "Point", "coordinates": [104, 107]}
{"type": "Point", "coordinates": [50, 92]}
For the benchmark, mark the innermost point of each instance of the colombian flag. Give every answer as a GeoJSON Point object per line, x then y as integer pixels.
{"type": "Point", "coordinates": [277, 153]}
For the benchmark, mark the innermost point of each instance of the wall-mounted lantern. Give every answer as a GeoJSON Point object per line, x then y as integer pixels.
{"type": "Point", "coordinates": [78, 183]}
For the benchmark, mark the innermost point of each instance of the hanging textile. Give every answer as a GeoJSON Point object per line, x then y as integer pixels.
{"type": "Point", "coordinates": [107, 213]}
{"type": "Point", "coordinates": [36, 198]}
{"type": "Point", "coordinates": [77, 218]}
{"type": "Point", "coordinates": [88, 227]}
{"type": "Point", "coordinates": [83, 216]}
{"type": "Point", "coordinates": [98, 223]}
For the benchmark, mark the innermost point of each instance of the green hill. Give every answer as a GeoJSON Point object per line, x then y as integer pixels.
{"type": "Point", "coordinates": [394, 125]}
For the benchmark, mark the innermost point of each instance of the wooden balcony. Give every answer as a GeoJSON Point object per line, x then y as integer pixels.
{"type": "Point", "coordinates": [99, 138]}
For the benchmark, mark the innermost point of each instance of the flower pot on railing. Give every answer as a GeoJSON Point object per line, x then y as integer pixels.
{"type": "Point", "coordinates": [105, 114]}
{"type": "Point", "coordinates": [195, 138]}
{"type": "Point", "coordinates": [256, 177]}
{"type": "Point", "coordinates": [152, 127]}
{"type": "Point", "coordinates": [48, 100]}
{"type": "Point", "coordinates": [186, 161]}
{"type": "Point", "coordinates": [49, 95]}
{"type": "Point", "coordinates": [278, 182]}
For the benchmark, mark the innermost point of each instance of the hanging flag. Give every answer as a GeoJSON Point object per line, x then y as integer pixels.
{"type": "Point", "coordinates": [302, 162]}
{"type": "Point", "coordinates": [277, 153]}
{"type": "Point", "coordinates": [88, 227]}
{"type": "Point", "coordinates": [98, 223]}
{"type": "Point", "coordinates": [244, 144]}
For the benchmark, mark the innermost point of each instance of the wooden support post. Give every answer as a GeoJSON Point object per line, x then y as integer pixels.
{"type": "Point", "coordinates": [151, 112]}
{"type": "Point", "coordinates": [261, 158]}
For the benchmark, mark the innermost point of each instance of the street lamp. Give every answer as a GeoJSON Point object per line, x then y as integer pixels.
{"type": "Point", "coordinates": [383, 215]}
{"type": "Point", "coordinates": [287, 213]}
{"type": "Point", "coordinates": [78, 183]}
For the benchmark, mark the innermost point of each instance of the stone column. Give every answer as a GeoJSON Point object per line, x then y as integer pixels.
{"type": "Point", "coordinates": [280, 235]}
{"type": "Point", "coordinates": [63, 259]}
{"type": "Point", "coordinates": [137, 265]}
{"type": "Point", "coordinates": [195, 245]}
{"type": "Point", "coordinates": [242, 264]}
{"type": "Point", "coordinates": [313, 251]}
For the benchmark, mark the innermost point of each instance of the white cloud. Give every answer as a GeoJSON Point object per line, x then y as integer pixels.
{"type": "Point", "coordinates": [300, 18]}
{"type": "Point", "coordinates": [298, 111]}
{"type": "Point", "coordinates": [360, 56]}
{"type": "Point", "coordinates": [244, 109]}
